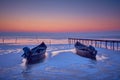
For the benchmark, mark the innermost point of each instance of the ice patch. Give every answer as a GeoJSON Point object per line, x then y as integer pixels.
{"type": "Point", "coordinates": [101, 57]}
{"type": "Point", "coordinates": [23, 62]}
{"type": "Point", "coordinates": [54, 53]}
{"type": "Point", "coordinates": [25, 66]}
{"type": "Point", "coordinates": [10, 51]}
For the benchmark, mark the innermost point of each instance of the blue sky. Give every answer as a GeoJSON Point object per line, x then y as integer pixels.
{"type": "Point", "coordinates": [78, 7]}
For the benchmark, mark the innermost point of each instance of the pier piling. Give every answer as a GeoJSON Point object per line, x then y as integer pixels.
{"type": "Point", "coordinates": [108, 44]}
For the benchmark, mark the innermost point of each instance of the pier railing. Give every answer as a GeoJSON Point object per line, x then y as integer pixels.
{"type": "Point", "coordinates": [108, 44]}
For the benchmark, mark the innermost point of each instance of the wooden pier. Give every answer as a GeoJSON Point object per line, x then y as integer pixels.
{"type": "Point", "coordinates": [108, 44]}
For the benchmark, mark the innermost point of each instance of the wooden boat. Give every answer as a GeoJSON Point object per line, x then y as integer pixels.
{"type": "Point", "coordinates": [36, 54]}
{"type": "Point", "coordinates": [85, 51]}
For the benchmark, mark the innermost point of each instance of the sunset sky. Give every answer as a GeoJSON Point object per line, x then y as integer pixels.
{"type": "Point", "coordinates": [59, 15]}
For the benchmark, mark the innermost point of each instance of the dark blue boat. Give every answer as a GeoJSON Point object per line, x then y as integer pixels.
{"type": "Point", "coordinates": [85, 51]}
{"type": "Point", "coordinates": [36, 54]}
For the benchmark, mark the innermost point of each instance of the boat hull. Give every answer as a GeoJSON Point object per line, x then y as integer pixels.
{"type": "Point", "coordinates": [37, 57]}
{"type": "Point", "coordinates": [35, 54]}
{"type": "Point", "coordinates": [86, 54]}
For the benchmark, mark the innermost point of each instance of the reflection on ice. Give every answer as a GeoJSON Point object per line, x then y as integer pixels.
{"type": "Point", "coordinates": [31, 41]}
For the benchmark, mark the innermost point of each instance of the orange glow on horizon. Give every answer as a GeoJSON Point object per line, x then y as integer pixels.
{"type": "Point", "coordinates": [59, 24]}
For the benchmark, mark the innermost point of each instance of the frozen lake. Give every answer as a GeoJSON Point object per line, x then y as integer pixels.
{"type": "Point", "coordinates": [61, 63]}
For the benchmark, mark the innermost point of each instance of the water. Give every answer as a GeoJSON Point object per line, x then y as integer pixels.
{"type": "Point", "coordinates": [61, 63]}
